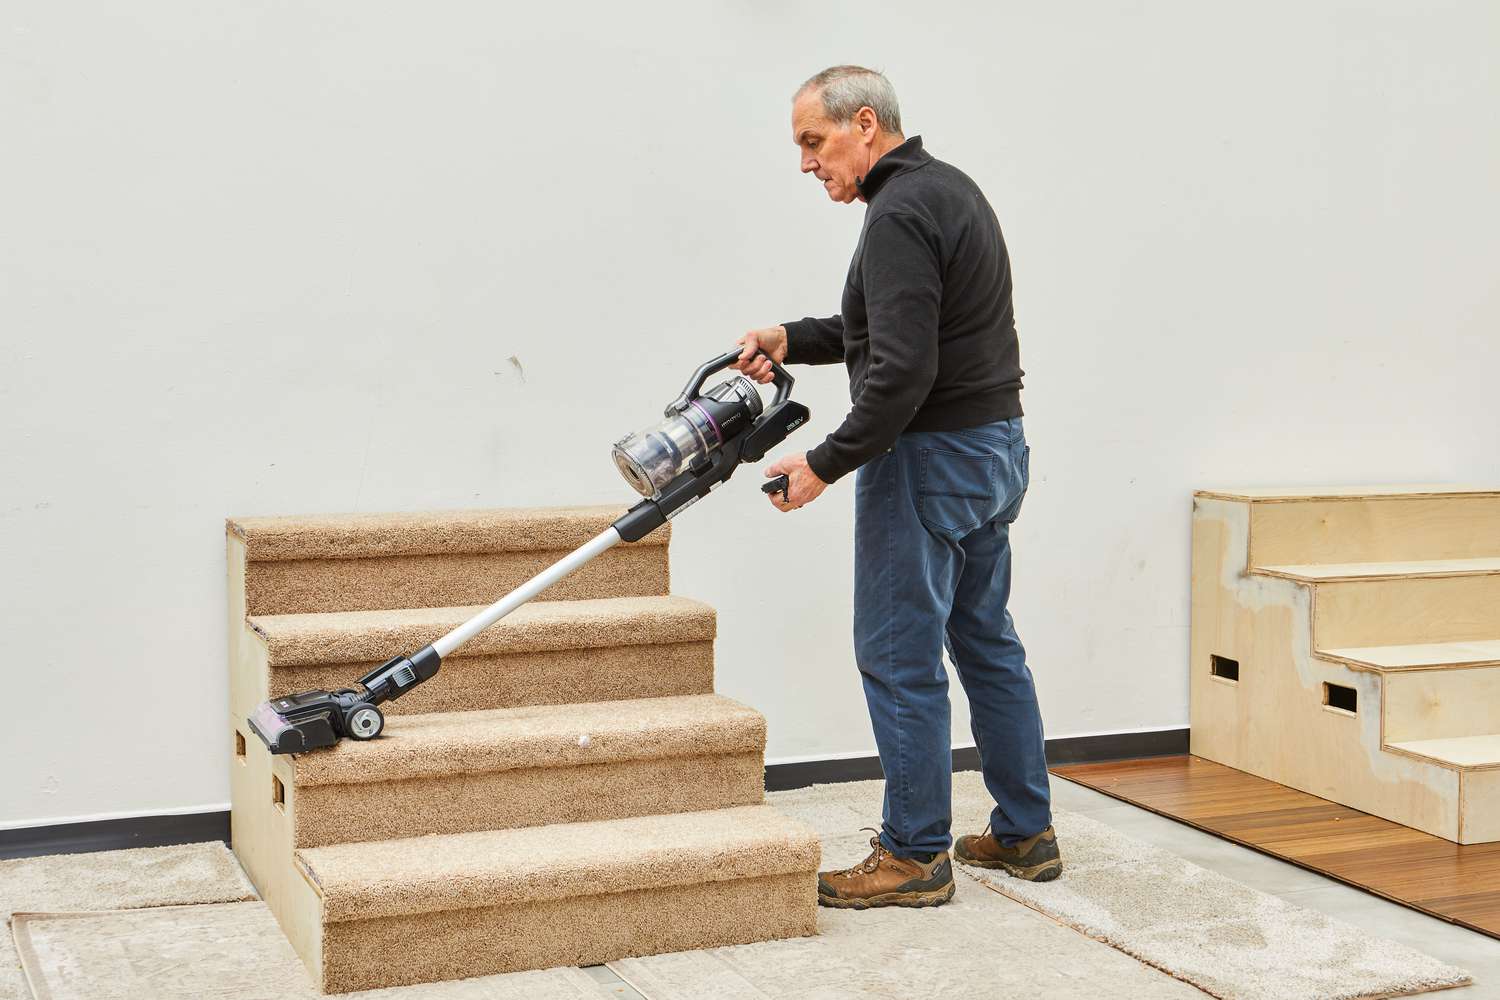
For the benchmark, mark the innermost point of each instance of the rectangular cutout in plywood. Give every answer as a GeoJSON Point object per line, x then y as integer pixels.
{"type": "Point", "coordinates": [1224, 668]}
{"type": "Point", "coordinates": [1341, 698]}
{"type": "Point", "coordinates": [278, 793]}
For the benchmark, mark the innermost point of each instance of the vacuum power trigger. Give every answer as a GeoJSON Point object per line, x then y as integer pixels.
{"type": "Point", "coordinates": [777, 485]}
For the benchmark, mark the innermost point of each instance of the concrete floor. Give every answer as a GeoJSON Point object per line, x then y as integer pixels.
{"type": "Point", "coordinates": [1476, 952]}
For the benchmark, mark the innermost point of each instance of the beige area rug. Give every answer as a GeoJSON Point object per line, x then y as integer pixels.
{"type": "Point", "coordinates": [141, 876]}
{"type": "Point", "coordinates": [225, 951]}
{"type": "Point", "coordinates": [1231, 941]}
{"type": "Point", "coordinates": [121, 933]}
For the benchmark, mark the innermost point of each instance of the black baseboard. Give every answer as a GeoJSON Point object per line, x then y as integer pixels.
{"type": "Point", "coordinates": [161, 831]}
{"type": "Point", "coordinates": [113, 834]}
{"type": "Point", "coordinates": [1069, 750]}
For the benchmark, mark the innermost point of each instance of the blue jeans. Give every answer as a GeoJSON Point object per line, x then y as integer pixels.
{"type": "Point", "coordinates": [932, 569]}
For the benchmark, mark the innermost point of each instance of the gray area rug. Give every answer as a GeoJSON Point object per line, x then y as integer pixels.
{"type": "Point", "coordinates": [224, 951]}
{"type": "Point", "coordinates": [142, 876]}
{"type": "Point", "coordinates": [1229, 940]}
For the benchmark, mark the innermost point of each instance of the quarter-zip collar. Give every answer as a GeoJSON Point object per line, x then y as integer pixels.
{"type": "Point", "coordinates": [908, 156]}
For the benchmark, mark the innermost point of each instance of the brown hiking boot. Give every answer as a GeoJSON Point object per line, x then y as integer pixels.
{"type": "Point", "coordinates": [1036, 859]}
{"type": "Point", "coordinates": [883, 879]}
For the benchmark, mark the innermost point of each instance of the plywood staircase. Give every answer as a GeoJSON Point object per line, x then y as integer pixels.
{"type": "Point", "coordinates": [568, 790]}
{"type": "Point", "coordinates": [1346, 643]}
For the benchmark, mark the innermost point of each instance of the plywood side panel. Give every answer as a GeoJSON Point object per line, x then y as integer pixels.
{"type": "Point", "coordinates": [1273, 722]}
{"type": "Point", "coordinates": [1386, 529]}
{"type": "Point", "coordinates": [1434, 704]}
{"type": "Point", "coordinates": [1398, 612]}
{"type": "Point", "coordinates": [261, 836]}
{"type": "Point", "coordinates": [260, 831]}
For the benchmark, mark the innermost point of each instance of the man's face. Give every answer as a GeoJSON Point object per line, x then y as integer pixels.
{"type": "Point", "coordinates": [835, 153]}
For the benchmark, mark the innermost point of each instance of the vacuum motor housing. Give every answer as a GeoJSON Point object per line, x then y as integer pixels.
{"type": "Point", "coordinates": [687, 435]}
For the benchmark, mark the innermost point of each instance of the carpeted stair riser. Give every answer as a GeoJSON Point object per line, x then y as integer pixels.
{"type": "Point", "coordinates": [461, 772]}
{"type": "Point", "coordinates": [549, 677]}
{"type": "Point", "coordinates": [363, 536]}
{"type": "Point", "coordinates": [437, 581]}
{"type": "Point", "coordinates": [464, 803]}
{"type": "Point", "coordinates": [435, 559]}
{"type": "Point", "coordinates": [583, 930]}
{"type": "Point", "coordinates": [545, 652]}
{"type": "Point", "coordinates": [543, 896]}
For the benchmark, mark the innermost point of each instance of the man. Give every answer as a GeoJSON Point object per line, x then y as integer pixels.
{"type": "Point", "coordinates": [927, 333]}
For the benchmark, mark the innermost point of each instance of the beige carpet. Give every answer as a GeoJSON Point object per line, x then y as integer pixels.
{"type": "Point", "coordinates": [226, 951]}
{"type": "Point", "coordinates": [140, 877]}
{"type": "Point", "coordinates": [1232, 941]}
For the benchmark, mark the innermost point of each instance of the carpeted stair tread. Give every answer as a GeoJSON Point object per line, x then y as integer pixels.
{"type": "Point", "coordinates": [450, 743]}
{"type": "Point", "coordinates": [441, 532]}
{"type": "Point", "coordinates": [361, 636]}
{"type": "Point", "coordinates": [504, 867]}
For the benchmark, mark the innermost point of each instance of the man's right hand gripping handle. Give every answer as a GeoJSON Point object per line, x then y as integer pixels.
{"type": "Point", "coordinates": [758, 346]}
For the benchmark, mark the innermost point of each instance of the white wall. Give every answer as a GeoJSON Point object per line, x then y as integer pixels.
{"type": "Point", "coordinates": [274, 258]}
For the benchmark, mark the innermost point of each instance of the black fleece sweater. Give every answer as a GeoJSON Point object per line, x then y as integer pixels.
{"type": "Point", "coordinates": [926, 327]}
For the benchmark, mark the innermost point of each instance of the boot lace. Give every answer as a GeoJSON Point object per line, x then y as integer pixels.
{"type": "Point", "coordinates": [877, 855]}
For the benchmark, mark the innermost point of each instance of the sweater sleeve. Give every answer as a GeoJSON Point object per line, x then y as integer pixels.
{"type": "Point", "coordinates": [815, 341]}
{"type": "Point", "coordinates": [903, 294]}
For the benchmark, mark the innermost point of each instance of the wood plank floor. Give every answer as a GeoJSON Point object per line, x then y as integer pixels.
{"type": "Point", "coordinates": [1457, 883]}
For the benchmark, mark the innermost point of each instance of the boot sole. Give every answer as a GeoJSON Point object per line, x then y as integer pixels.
{"type": "Point", "coordinates": [937, 897]}
{"type": "Point", "coordinates": [1044, 872]}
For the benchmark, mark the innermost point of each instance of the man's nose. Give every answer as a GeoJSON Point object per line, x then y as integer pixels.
{"type": "Point", "coordinates": [809, 164]}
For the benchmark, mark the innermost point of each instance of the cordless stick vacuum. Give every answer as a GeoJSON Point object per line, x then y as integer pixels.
{"type": "Point", "coordinates": [697, 445]}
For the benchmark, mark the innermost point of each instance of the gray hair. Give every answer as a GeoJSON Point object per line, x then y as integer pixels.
{"type": "Point", "coordinates": [846, 89]}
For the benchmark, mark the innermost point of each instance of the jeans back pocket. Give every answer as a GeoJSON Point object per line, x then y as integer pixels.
{"type": "Point", "coordinates": [955, 492]}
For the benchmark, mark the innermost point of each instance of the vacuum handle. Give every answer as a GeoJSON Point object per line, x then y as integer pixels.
{"type": "Point", "coordinates": [781, 378]}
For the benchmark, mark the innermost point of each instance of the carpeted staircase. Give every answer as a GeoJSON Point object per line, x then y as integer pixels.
{"type": "Point", "coordinates": [567, 791]}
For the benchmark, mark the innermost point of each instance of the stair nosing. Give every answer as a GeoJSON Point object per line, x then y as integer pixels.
{"type": "Point", "coordinates": [286, 642]}
{"type": "Point", "coordinates": [1290, 571]}
{"type": "Point", "coordinates": [1315, 494]}
{"type": "Point", "coordinates": [438, 532]}
{"type": "Point", "coordinates": [1345, 655]}
{"type": "Point", "coordinates": [1449, 765]}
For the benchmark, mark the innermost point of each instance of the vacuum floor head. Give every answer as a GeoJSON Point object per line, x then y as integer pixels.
{"type": "Point", "coordinates": [296, 723]}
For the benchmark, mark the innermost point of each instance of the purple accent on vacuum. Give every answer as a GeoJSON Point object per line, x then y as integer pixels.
{"type": "Point", "coordinates": [710, 420]}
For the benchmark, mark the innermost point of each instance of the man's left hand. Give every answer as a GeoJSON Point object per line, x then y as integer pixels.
{"type": "Point", "coordinates": [803, 484]}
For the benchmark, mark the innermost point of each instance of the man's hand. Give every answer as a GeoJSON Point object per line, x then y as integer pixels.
{"type": "Point", "coordinates": [770, 341]}
{"type": "Point", "coordinates": [803, 485]}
